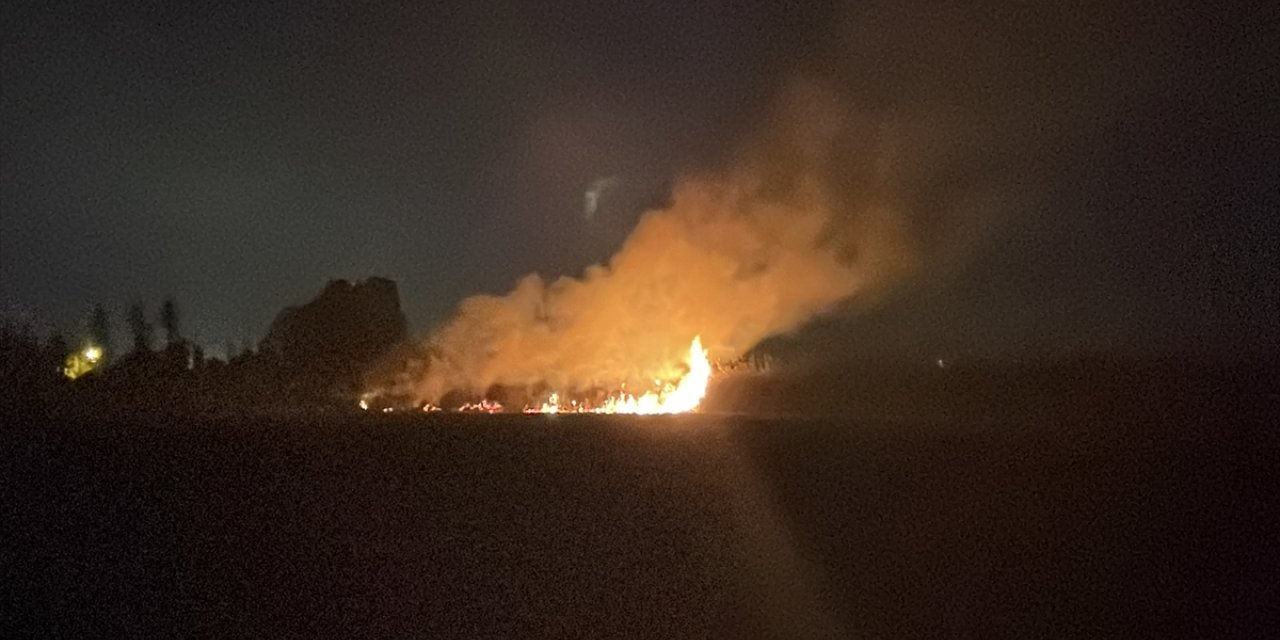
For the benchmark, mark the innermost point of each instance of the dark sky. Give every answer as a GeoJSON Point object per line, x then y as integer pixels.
{"type": "Point", "coordinates": [237, 155]}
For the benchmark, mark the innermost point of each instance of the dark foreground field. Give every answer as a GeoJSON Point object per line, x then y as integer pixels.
{"type": "Point", "coordinates": [696, 526]}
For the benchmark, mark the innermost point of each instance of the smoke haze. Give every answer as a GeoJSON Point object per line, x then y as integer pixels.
{"type": "Point", "coordinates": [739, 255]}
{"type": "Point", "coordinates": [898, 149]}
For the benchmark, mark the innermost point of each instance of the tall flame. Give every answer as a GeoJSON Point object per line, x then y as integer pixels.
{"type": "Point", "coordinates": [685, 397]}
{"type": "Point", "coordinates": [682, 397]}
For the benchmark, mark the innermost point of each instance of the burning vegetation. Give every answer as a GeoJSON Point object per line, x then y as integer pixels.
{"type": "Point", "coordinates": [739, 255]}
{"type": "Point", "coordinates": [682, 396]}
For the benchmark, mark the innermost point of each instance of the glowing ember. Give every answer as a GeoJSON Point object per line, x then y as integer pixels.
{"type": "Point", "coordinates": [484, 406]}
{"type": "Point", "coordinates": [682, 397]}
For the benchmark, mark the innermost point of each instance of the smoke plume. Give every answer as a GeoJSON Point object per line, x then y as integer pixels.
{"type": "Point", "coordinates": [931, 130]}
{"type": "Point", "coordinates": [739, 255]}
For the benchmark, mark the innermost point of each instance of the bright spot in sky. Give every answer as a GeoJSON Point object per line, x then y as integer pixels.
{"type": "Point", "coordinates": [595, 191]}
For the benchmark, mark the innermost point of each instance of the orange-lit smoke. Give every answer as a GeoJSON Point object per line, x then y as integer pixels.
{"type": "Point", "coordinates": [752, 252]}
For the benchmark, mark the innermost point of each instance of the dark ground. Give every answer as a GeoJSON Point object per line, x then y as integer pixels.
{"type": "Point", "coordinates": [1104, 515]}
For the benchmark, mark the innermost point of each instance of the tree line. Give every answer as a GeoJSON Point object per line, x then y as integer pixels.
{"type": "Point", "coordinates": [313, 357]}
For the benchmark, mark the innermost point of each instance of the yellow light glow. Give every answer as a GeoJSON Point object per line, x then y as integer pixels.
{"type": "Point", "coordinates": [82, 362]}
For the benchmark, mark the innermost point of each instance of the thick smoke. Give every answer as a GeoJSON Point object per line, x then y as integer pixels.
{"type": "Point", "coordinates": [932, 127]}
{"type": "Point", "coordinates": [750, 252]}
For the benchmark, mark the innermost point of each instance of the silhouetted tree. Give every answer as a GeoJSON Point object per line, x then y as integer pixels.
{"type": "Point", "coordinates": [139, 328]}
{"type": "Point", "coordinates": [30, 369]}
{"type": "Point", "coordinates": [169, 321]}
{"type": "Point", "coordinates": [55, 353]}
{"type": "Point", "coordinates": [100, 330]}
{"type": "Point", "coordinates": [177, 351]}
{"type": "Point", "coordinates": [321, 349]}
{"type": "Point", "coordinates": [18, 351]}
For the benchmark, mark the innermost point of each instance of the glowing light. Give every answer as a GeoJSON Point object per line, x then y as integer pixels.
{"type": "Point", "coordinates": [484, 406]}
{"type": "Point", "coordinates": [82, 362]}
{"type": "Point", "coordinates": [364, 404]}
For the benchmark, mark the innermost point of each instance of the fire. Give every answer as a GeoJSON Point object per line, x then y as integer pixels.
{"type": "Point", "coordinates": [484, 406]}
{"type": "Point", "coordinates": [681, 397]}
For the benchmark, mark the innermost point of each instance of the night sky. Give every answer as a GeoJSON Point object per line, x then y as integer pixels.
{"type": "Point", "coordinates": [240, 154]}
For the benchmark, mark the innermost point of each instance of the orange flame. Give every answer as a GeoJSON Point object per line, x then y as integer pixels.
{"type": "Point", "coordinates": [681, 397]}
{"type": "Point", "coordinates": [484, 406]}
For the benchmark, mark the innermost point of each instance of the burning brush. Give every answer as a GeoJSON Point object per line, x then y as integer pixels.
{"type": "Point", "coordinates": [754, 251]}
{"type": "Point", "coordinates": [681, 396]}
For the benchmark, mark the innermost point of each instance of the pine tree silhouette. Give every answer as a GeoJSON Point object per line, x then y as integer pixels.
{"type": "Point", "coordinates": [100, 330]}
{"type": "Point", "coordinates": [139, 328]}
